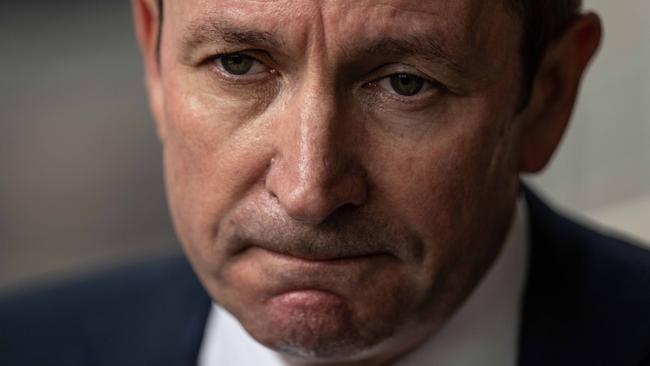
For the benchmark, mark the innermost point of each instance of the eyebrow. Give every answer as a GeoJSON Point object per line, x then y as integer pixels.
{"type": "Point", "coordinates": [211, 32]}
{"type": "Point", "coordinates": [216, 32]}
{"type": "Point", "coordinates": [414, 46]}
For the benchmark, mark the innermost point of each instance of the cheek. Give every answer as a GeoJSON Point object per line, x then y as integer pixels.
{"type": "Point", "coordinates": [451, 189]}
{"type": "Point", "coordinates": [214, 153]}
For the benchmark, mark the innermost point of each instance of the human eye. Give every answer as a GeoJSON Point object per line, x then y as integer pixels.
{"type": "Point", "coordinates": [239, 65]}
{"type": "Point", "coordinates": [406, 85]}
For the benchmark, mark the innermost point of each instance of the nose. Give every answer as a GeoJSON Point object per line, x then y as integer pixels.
{"type": "Point", "coordinates": [314, 172]}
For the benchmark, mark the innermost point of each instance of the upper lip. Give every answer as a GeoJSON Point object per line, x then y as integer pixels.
{"type": "Point", "coordinates": [333, 241]}
{"type": "Point", "coordinates": [311, 251]}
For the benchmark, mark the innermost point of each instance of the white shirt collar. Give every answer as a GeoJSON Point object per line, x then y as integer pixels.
{"type": "Point", "coordinates": [483, 331]}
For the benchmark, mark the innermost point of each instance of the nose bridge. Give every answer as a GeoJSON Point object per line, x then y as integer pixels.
{"type": "Point", "coordinates": [318, 158]}
{"type": "Point", "coordinates": [312, 173]}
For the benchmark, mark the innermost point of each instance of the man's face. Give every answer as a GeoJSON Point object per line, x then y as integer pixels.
{"type": "Point", "coordinates": [340, 173]}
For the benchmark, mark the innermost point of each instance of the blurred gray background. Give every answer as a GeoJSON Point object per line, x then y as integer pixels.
{"type": "Point", "coordinates": [80, 186]}
{"type": "Point", "coordinates": [81, 181]}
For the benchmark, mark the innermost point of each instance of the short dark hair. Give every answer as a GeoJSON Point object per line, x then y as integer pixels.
{"type": "Point", "coordinates": [542, 21]}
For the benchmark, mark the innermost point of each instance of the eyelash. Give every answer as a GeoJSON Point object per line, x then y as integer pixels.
{"type": "Point", "coordinates": [215, 63]}
{"type": "Point", "coordinates": [432, 86]}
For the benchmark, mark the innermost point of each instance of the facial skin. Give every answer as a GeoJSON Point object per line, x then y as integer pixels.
{"type": "Point", "coordinates": [338, 220]}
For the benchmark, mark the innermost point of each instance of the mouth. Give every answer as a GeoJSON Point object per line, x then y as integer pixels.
{"type": "Point", "coordinates": [312, 283]}
{"type": "Point", "coordinates": [282, 264]}
{"type": "Point", "coordinates": [321, 264]}
{"type": "Point", "coordinates": [306, 282]}
{"type": "Point", "coordinates": [318, 258]}
{"type": "Point", "coordinates": [313, 252]}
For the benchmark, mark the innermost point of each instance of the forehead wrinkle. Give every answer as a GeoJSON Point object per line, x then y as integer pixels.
{"type": "Point", "coordinates": [402, 30]}
{"type": "Point", "coordinates": [435, 41]}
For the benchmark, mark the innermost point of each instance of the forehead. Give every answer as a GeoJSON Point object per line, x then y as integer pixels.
{"type": "Point", "coordinates": [451, 18]}
{"type": "Point", "coordinates": [469, 31]}
{"type": "Point", "coordinates": [272, 9]}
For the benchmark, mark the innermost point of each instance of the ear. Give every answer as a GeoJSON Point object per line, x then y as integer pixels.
{"type": "Point", "coordinates": [554, 91]}
{"type": "Point", "coordinates": [146, 21]}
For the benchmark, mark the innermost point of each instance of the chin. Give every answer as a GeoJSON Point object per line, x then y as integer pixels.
{"type": "Point", "coordinates": [317, 338]}
{"type": "Point", "coordinates": [317, 326]}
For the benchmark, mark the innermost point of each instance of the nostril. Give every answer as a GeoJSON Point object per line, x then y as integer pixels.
{"type": "Point", "coordinates": [310, 204]}
{"type": "Point", "coordinates": [311, 183]}
{"type": "Point", "coordinates": [312, 198]}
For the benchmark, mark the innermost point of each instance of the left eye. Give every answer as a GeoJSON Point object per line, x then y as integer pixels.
{"type": "Point", "coordinates": [239, 64]}
{"type": "Point", "coordinates": [405, 84]}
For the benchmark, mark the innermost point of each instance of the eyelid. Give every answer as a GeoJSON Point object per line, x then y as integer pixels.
{"type": "Point", "coordinates": [256, 62]}
{"type": "Point", "coordinates": [385, 83]}
{"type": "Point", "coordinates": [386, 71]}
{"type": "Point", "coordinates": [431, 88]}
{"type": "Point", "coordinates": [215, 62]}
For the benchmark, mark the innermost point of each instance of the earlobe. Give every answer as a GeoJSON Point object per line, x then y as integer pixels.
{"type": "Point", "coordinates": [555, 88]}
{"type": "Point", "coordinates": [146, 24]}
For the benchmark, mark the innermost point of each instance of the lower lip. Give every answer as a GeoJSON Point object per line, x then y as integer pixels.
{"type": "Point", "coordinates": [296, 283]}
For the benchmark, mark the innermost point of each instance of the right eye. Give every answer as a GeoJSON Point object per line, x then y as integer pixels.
{"type": "Point", "coordinates": [239, 64]}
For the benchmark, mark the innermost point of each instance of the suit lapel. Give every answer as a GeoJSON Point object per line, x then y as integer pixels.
{"type": "Point", "coordinates": [167, 320]}
{"type": "Point", "coordinates": [586, 298]}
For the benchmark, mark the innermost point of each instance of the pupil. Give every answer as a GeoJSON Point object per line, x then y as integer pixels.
{"type": "Point", "coordinates": [406, 85]}
{"type": "Point", "coordinates": [237, 64]}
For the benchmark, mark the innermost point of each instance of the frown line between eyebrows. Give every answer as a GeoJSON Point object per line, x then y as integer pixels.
{"type": "Point", "coordinates": [212, 31]}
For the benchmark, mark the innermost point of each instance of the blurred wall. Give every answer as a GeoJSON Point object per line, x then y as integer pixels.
{"type": "Point", "coordinates": [81, 185]}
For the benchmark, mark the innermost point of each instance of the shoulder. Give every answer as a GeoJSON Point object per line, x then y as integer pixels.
{"type": "Point", "coordinates": [577, 249]}
{"type": "Point", "coordinates": [588, 293]}
{"type": "Point", "coordinates": [72, 323]}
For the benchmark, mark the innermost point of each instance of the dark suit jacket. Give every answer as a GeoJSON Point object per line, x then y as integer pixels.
{"type": "Point", "coordinates": [587, 302]}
